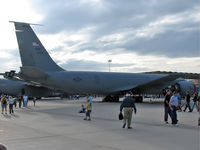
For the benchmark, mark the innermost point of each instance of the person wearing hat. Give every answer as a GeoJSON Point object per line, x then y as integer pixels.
{"type": "Point", "coordinates": [128, 105]}
{"type": "Point", "coordinates": [11, 102]}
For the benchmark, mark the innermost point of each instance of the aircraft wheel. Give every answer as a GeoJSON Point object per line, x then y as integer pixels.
{"type": "Point", "coordinates": [111, 99]}
{"type": "Point", "coordinates": [139, 99]}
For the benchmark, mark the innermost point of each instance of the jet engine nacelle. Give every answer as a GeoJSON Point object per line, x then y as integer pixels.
{"type": "Point", "coordinates": [184, 85]}
{"type": "Point", "coordinates": [9, 75]}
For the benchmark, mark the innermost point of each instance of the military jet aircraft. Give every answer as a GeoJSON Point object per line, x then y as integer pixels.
{"type": "Point", "coordinates": [13, 86]}
{"type": "Point", "coordinates": [18, 88]}
{"type": "Point", "coordinates": [39, 67]}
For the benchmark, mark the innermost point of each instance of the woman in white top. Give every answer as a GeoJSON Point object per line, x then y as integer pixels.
{"type": "Point", "coordinates": [11, 102]}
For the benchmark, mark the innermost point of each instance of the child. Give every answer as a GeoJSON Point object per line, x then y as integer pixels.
{"type": "Point", "coordinates": [88, 108]}
{"type": "Point", "coordinates": [82, 110]}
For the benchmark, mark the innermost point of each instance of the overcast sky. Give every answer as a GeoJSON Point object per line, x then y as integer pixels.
{"type": "Point", "coordinates": [137, 35]}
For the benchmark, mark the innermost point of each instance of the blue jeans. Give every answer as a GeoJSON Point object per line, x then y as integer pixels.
{"type": "Point", "coordinates": [174, 115]}
{"type": "Point", "coordinates": [195, 104]}
{"type": "Point", "coordinates": [88, 113]}
{"type": "Point", "coordinates": [187, 106]}
{"type": "Point", "coordinates": [11, 108]}
{"type": "Point", "coordinates": [167, 111]}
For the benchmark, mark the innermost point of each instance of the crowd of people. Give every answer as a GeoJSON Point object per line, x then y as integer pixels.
{"type": "Point", "coordinates": [8, 103]}
{"type": "Point", "coordinates": [172, 104]}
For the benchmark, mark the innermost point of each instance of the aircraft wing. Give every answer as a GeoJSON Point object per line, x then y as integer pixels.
{"type": "Point", "coordinates": [181, 74]}
{"type": "Point", "coordinates": [156, 86]}
{"type": "Point", "coordinates": [153, 87]}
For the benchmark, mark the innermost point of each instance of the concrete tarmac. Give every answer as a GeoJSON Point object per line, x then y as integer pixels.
{"type": "Point", "coordinates": [57, 125]}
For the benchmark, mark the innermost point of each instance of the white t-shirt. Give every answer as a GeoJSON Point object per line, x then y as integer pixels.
{"type": "Point", "coordinates": [25, 98]}
{"type": "Point", "coordinates": [174, 101]}
{"type": "Point", "coordinates": [11, 101]}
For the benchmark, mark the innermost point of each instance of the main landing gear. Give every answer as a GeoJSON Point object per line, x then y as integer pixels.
{"type": "Point", "coordinates": [110, 98]}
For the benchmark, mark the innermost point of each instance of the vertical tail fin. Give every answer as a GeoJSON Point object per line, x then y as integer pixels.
{"type": "Point", "coordinates": [32, 52]}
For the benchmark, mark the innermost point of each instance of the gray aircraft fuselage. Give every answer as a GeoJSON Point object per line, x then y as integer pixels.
{"type": "Point", "coordinates": [96, 82]}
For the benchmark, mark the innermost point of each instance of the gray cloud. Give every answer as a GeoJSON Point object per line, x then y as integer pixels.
{"type": "Point", "coordinates": [116, 16]}
{"type": "Point", "coordinates": [173, 44]}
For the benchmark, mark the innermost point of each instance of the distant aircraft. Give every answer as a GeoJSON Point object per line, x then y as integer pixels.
{"type": "Point", "coordinates": [19, 88]}
{"type": "Point", "coordinates": [39, 67]}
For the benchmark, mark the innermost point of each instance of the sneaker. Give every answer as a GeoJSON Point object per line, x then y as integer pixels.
{"type": "Point", "coordinates": [124, 125]}
{"type": "Point", "coordinates": [89, 119]}
{"type": "Point", "coordinates": [166, 122]}
{"type": "Point", "coordinates": [177, 125]}
{"type": "Point", "coordinates": [85, 119]}
{"type": "Point", "coordinates": [130, 128]}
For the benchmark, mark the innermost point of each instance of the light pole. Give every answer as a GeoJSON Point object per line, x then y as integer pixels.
{"type": "Point", "coordinates": [109, 61]}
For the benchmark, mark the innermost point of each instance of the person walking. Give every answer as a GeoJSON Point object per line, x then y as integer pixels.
{"type": "Point", "coordinates": [166, 106]}
{"type": "Point", "coordinates": [195, 102]}
{"type": "Point", "coordinates": [19, 98]}
{"type": "Point", "coordinates": [4, 104]}
{"type": "Point", "coordinates": [173, 105]}
{"type": "Point", "coordinates": [11, 103]}
{"type": "Point", "coordinates": [127, 106]}
{"type": "Point", "coordinates": [25, 98]}
{"type": "Point", "coordinates": [187, 99]}
{"type": "Point", "coordinates": [179, 101]}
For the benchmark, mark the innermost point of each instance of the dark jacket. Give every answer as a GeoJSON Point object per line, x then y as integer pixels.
{"type": "Point", "coordinates": [128, 102]}
{"type": "Point", "coordinates": [167, 99]}
{"type": "Point", "coordinates": [195, 98]}
{"type": "Point", "coordinates": [188, 98]}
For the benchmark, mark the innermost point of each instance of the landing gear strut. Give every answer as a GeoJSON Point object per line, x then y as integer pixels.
{"type": "Point", "coordinates": [138, 99]}
{"type": "Point", "coordinates": [111, 99]}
